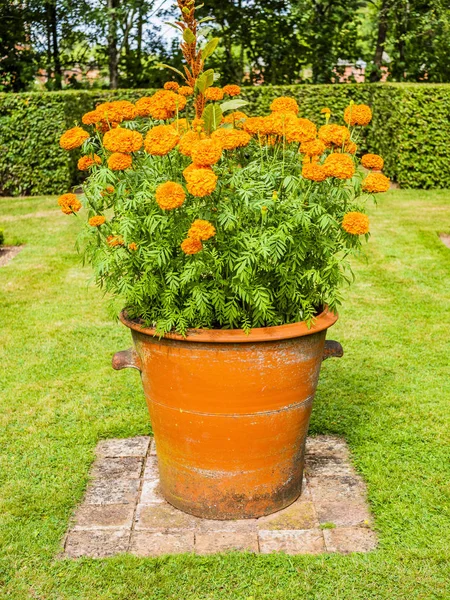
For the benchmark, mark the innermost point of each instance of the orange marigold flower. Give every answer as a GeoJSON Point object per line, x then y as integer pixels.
{"type": "Point", "coordinates": [160, 140]}
{"type": "Point", "coordinates": [193, 167]}
{"type": "Point", "coordinates": [201, 230]}
{"type": "Point", "coordinates": [69, 203]}
{"type": "Point", "coordinates": [356, 223]}
{"type": "Point", "coordinates": [313, 148]}
{"type": "Point", "coordinates": [314, 172]}
{"type": "Point", "coordinates": [119, 161]}
{"type": "Point", "coordinates": [170, 195]}
{"type": "Point", "coordinates": [187, 142]}
{"type": "Point", "coordinates": [122, 140]}
{"type": "Point", "coordinates": [334, 135]}
{"type": "Point", "coordinates": [132, 246]}
{"type": "Point", "coordinates": [284, 104]}
{"type": "Point", "coordinates": [171, 85]}
{"type": "Point", "coordinates": [235, 118]}
{"type": "Point", "coordinates": [350, 147]}
{"type": "Point", "coordinates": [302, 130]}
{"type": "Point", "coordinates": [375, 183]}
{"type": "Point", "coordinates": [97, 221]}
{"type": "Point", "coordinates": [339, 165]}
{"type": "Point", "coordinates": [254, 125]}
{"type": "Point", "coordinates": [181, 125]}
{"type": "Point", "coordinates": [358, 114]}
{"type": "Point", "coordinates": [109, 189]}
{"type": "Point", "coordinates": [201, 182]}
{"type": "Point", "coordinates": [126, 109]}
{"type": "Point", "coordinates": [372, 161]}
{"type": "Point", "coordinates": [214, 93]}
{"type": "Point", "coordinates": [206, 152]}
{"type": "Point", "coordinates": [230, 139]}
{"type": "Point", "coordinates": [90, 118]}
{"type": "Point", "coordinates": [73, 138]}
{"type": "Point", "coordinates": [326, 111]}
{"type": "Point", "coordinates": [87, 161]}
{"type": "Point", "coordinates": [162, 105]}
{"type": "Point", "coordinates": [185, 90]}
{"type": "Point", "coordinates": [231, 90]}
{"type": "Point", "coordinates": [198, 124]}
{"type": "Point", "coordinates": [114, 240]}
{"type": "Point", "coordinates": [191, 246]}
{"type": "Point", "coordinates": [278, 123]}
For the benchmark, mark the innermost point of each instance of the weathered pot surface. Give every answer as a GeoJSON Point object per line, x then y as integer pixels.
{"type": "Point", "coordinates": [230, 412]}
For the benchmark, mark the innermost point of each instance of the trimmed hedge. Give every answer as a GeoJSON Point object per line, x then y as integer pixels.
{"type": "Point", "coordinates": [410, 129]}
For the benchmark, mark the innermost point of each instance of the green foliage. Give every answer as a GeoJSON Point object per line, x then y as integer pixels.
{"type": "Point", "coordinates": [410, 130]}
{"type": "Point", "coordinates": [2, 237]}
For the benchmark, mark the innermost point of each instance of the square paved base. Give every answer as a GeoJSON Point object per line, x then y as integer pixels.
{"type": "Point", "coordinates": [123, 510]}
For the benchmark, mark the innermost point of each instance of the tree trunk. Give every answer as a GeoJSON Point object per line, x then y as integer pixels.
{"type": "Point", "coordinates": [381, 40]}
{"type": "Point", "coordinates": [55, 45]}
{"type": "Point", "coordinates": [113, 55]}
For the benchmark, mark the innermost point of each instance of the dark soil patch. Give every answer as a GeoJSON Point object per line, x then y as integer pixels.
{"type": "Point", "coordinates": [7, 253]}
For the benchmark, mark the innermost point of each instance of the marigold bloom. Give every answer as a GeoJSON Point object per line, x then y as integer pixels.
{"type": "Point", "coordinates": [87, 161]}
{"type": "Point", "coordinates": [206, 152]}
{"type": "Point", "coordinates": [198, 124]}
{"type": "Point", "coordinates": [214, 93]}
{"type": "Point", "coordinates": [187, 142]}
{"type": "Point", "coordinates": [278, 123]}
{"type": "Point", "coordinates": [284, 104]}
{"type": "Point", "coordinates": [325, 111]}
{"type": "Point", "coordinates": [162, 105]}
{"type": "Point", "coordinates": [357, 114]}
{"type": "Point", "coordinates": [90, 118]}
{"type": "Point", "coordinates": [160, 140]}
{"type": "Point", "coordinates": [231, 90]}
{"type": "Point", "coordinates": [180, 125]}
{"type": "Point", "coordinates": [201, 182]}
{"type": "Point", "coordinates": [372, 161]}
{"type": "Point", "coordinates": [302, 130]}
{"type": "Point", "coordinates": [193, 167]}
{"type": "Point", "coordinates": [132, 246]}
{"type": "Point", "coordinates": [201, 230]}
{"type": "Point", "coordinates": [254, 125]}
{"type": "Point", "coordinates": [356, 223]}
{"type": "Point", "coordinates": [122, 140]}
{"type": "Point", "coordinates": [185, 90]}
{"type": "Point", "coordinates": [314, 172]}
{"type": "Point", "coordinates": [109, 189]}
{"type": "Point", "coordinates": [119, 161]}
{"type": "Point", "coordinates": [313, 148]}
{"type": "Point", "coordinates": [170, 195]}
{"type": "Point", "coordinates": [235, 118]}
{"type": "Point", "coordinates": [69, 203]}
{"type": "Point", "coordinates": [191, 246]}
{"type": "Point", "coordinates": [114, 240]}
{"type": "Point", "coordinates": [97, 221]}
{"type": "Point", "coordinates": [375, 183]}
{"type": "Point", "coordinates": [73, 138]}
{"type": "Point", "coordinates": [334, 135]}
{"type": "Point", "coordinates": [350, 147]}
{"type": "Point", "coordinates": [339, 165]}
{"type": "Point", "coordinates": [231, 138]}
{"type": "Point", "coordinates": [171, 85]}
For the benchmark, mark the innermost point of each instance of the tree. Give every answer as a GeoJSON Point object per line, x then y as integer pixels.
{"type": "Point", "coordinates": [17, 59]}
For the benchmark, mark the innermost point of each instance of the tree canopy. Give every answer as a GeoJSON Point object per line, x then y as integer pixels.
{"type": "Point", "coordinates": [119, 43]}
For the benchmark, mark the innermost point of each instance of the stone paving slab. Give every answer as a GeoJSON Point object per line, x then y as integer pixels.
{"type": "Point", "coordinates": [124, 510]}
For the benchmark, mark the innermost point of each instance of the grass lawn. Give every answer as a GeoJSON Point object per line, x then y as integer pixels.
{"type": "Point", "coordinates": [389, 397]}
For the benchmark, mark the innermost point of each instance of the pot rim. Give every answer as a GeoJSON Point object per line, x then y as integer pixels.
{"type": "Point", "coordinates": [259, 334]}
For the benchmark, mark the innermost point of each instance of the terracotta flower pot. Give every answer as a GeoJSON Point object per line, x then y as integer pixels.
{"type": "Point", "coordinates": [230, 412]}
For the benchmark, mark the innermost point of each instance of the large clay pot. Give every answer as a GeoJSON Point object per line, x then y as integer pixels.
{"type": "Point", "coordinates": [230, 412]}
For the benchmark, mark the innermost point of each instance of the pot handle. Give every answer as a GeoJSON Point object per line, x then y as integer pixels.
{"type": "Point", "coordinates": [332, 348]}
{"type": "Point", "coordinates": [126, 359]}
